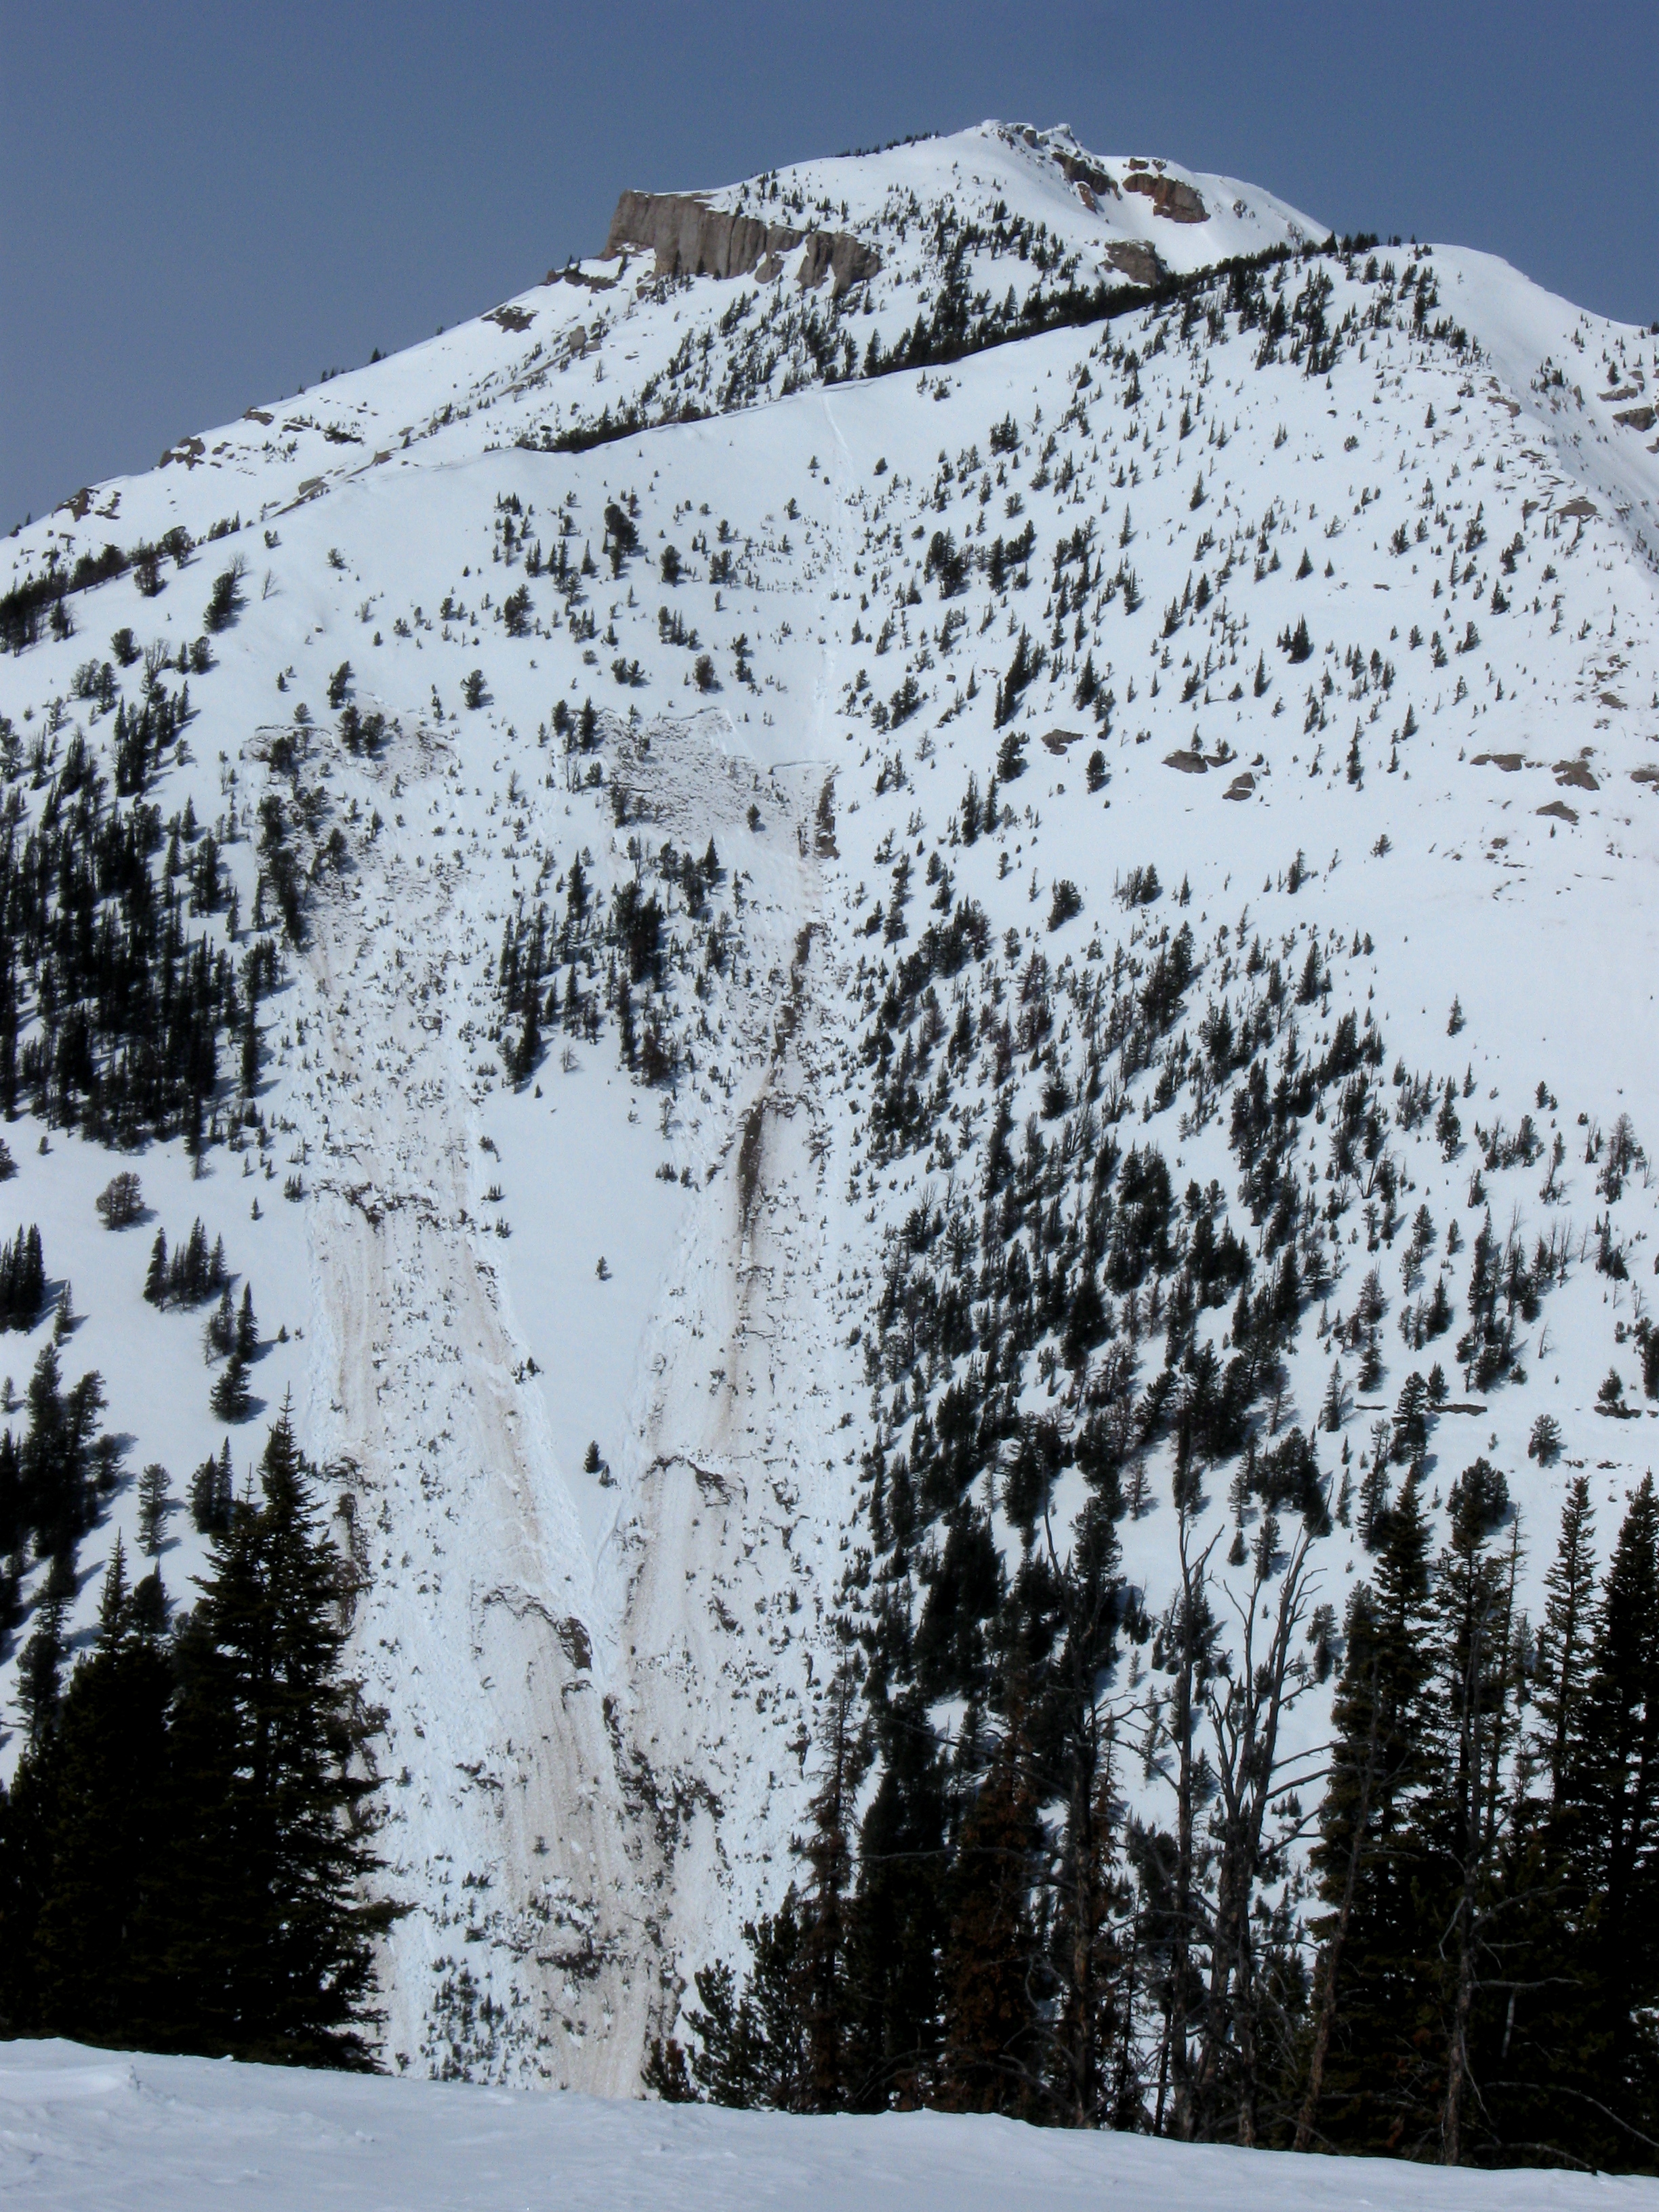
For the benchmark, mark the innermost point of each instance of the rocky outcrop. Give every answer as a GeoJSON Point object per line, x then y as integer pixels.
{"type": "Point", "coordinates": [1176, 202]}
{"type": "Point", "coordinates": [1137, 262]}
{"type": "Point", "coordinates": [691, 238]}
{"type": "Point", "coordinates": [575, 276]}
{"type": "Point", "coordinates": [841, 256]}
{"type": "Point", "coordinates": [1090, 180]}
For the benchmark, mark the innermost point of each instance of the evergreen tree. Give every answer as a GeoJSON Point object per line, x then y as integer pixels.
{"type": "Point", "coordinates": [105, 1812]}
{"type": "Point", "coordinates": [274, 1958]}
{"type": "Point", "coordinates": [901, 1926]}
{"type": "Point", "coordinates": [1366, 1987]}
{"type": "Point", "coordinates": [1087, 2022]}
{"type": "Point", "coordinates": [1188, 1635]}
{"type": "Point", "coordinates": [154, 1504]}
{"type": "Point", "coordinates": [40, 1675]}
{"type": "Point", "coordinates": [221, 1331]}
{"type": "Point", "coordinates": [155, 1279]}
{"type": "Point", "coordinates": [247, 1329]}
{"type": "Point", "coordinates": [230, 1397]}
{"type": "Point", "coordinates": [826, 1907]}
{"type": "Point", "coordinates": [1563, 1643]}
{"type": "Point", "coordinates": [1614, 1812]}
{"type": "Point", "coordinates": [1458, 1874]}
{"type": "Point", "coordinates": [252, 1048]}
{"type": "Point", "coordinates": [751, 2040]}
{"type": "Point", "coordinates": [1534, 2056]}
{"type": "Point", "coordinates": [211, 1494]}
{"type": "Point", "coordinates": [55, 1462]}
{"type": "Point", "coordinates": [987, 2057]}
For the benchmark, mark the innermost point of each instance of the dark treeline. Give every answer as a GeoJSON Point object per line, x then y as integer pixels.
{"type": "Point", "coordinates": [962, 323]}
{"type": "Point", "coordinates": [114, 1013]}
{"type": "Point", "coordinates": [38, 601]}
{"type": "Point", "coordinates": [1477, 1977]}
{"type": "Point", "coordinates": [22, 1279]}
{"type": "Point", "coordinates": [617, 955]}
{"type": "Point", "coordinates": [1062, 1863]}
{"type": "Point", "coordinates": [56, 1477]}
{"type": "Point", "coordinates": [54, 1480]}
{"type": "Point", "coordinates": [184, 1850]}
{"type": "Point", "coordinates": [812, 343]}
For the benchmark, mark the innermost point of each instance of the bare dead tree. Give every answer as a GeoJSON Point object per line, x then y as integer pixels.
{"type": "Point", "coordinates": [1245, 1712]}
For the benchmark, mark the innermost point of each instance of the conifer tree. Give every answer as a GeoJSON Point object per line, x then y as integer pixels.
{"type": "Point", "coordinates": [751, 2038]}
{"type": "Point", "coordinates": [988, 2018]}
{"type": "Point", "coordinates": [211, 1494]}
{"type": "Point", "coordinates": [1613, 1785]}
{"type": "Point", "coordinates": [106, 1810]}
{"type": "Point", "coordinates": [901, 1912]}
{"type": "Point", "coordinates": [40, 1675]}
{"type": "Point", "coordinates": [1365, 1985]}
{"type": "Point", "coordinates": [274, 1959]}
{"type": "Point", "coordinates": [1472, 1726]}
{"type": "Point", "coordinates": [155, 1279]}
{"type": "Point", "coordinates": [230, 1397]}
{"type": "Point", "coordinates": [826, 1907]}
{"type": "Point", "coordinates": [1563, 1642]}
{"type": "Point", "coordinates": [1086, 1888]}
{"type": "Point", "coordinates": [154, 1504]}
{"type": "Point", "coordinates": [247, 1329]}
{"type": "Point", "coordinates": [1533, 2049]}
{"type": "Point", "coordinates": [1190, 1631]}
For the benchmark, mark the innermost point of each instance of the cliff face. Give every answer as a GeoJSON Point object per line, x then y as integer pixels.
{"type": "Point", "coordinates": [1176, 200]}
{"type": "Point", "coordinates": [841, 256]}
{"type": "Point", "coordinates": [1090, 180]}
{"type": "Point", "coordinates": [1137, 262]}
{"type": "Point", "coordinates": [689, 238]}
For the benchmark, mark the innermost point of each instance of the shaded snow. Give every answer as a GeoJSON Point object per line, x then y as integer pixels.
{"type": "Point", "coordinates": [97, 2131]}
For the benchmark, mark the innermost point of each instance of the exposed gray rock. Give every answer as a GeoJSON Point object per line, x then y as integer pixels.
{"type": "Point", "coordinates": [1177, 201]}
{"type": "Point", "coordinates": [841, 256]}
{"type": "Point", "coordinates": [1137, 261]}
{"type": "Point", "coordinates": [1090, 180]}
{"type": "Point", "coordinates": [691, 238]}
{"type": "Point", "coordinates": [574, 276]}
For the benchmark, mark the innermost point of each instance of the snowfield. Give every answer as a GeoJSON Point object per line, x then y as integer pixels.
{"type": "Point", "coordinates": [602, 1683]}
{"type": "Point", "coordinates": [94, 2131]}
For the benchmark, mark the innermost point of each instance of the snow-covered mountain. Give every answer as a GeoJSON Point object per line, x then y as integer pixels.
{"type": "Point", "coordinates": [1323, 588]}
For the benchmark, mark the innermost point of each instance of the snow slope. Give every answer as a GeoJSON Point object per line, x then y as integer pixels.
{"type": "Point", "coordinates": [602, 1687]}
{"type": "Point", "coordinates": [88, 2129]}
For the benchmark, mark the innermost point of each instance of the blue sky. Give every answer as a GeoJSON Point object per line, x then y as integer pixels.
{"type": "Point", "coordinates": [210, 205]}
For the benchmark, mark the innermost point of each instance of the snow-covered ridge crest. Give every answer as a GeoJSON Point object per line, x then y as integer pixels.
{"type": "Point", "coordinates": [1088, 199]}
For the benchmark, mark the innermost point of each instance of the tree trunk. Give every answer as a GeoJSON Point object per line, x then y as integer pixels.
{"type": "Point", "coordinates": [1331, 1960]}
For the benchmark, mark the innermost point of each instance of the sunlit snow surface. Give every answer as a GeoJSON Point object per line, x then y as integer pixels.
{"type": "Point", "coordinates": [94, 2131]}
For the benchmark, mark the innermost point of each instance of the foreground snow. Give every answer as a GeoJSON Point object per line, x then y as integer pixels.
{"type": "Point", "coordinates": [108, 2129]}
